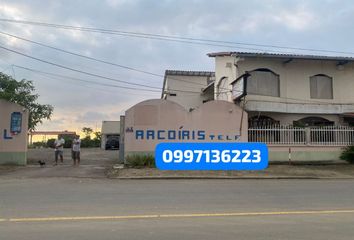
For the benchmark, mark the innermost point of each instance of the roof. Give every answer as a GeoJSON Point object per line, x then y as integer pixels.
{"type": "Point", "coordinates": [281, 55]}
{"type": "Point", "coordinates": [53, 133]}
{"type": "Point", "coordinates": [189, 73]}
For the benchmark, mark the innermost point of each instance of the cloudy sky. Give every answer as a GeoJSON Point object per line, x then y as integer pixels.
{"type": "Point", "coordinates": [322, 24]}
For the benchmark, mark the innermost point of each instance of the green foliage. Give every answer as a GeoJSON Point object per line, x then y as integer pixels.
{"type": "Point", "coordinates": [140, 160]}
{"type": "Point", "coordinates": [38, 145]}
{"type": "Point", "coordinates": [98, 136]}
{"type": "Point", "coordinates": [50, 143]}
{"type": "Point", "coordinates": [348, 154]}
{"type": "Point", "coordinates": [21, 92]}
{"type": "Point", "coordinates": [87, 131]}
{"type": "Point", "coordinates": [87, 141]}
{"type": "Point", "coordinates": [68, 141]}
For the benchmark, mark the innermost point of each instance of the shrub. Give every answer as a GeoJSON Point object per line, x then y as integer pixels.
{"type": "Point", "coordinates": [68, 141]}
{"type": "Point", "coordinates": [38, 145]}
{"type": "Point", "coordinates": [348, 154]}
{"type": "Point", "coordinates": [140, 160]}
{"type": "Point", "coordinates": [67, 144]}
{"type": "Point", "coordinates": [50, 143]}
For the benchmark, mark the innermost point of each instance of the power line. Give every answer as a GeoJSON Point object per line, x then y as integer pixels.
{"type": "Point", "coordinates": [93, 82]}
{"type": "Point", "coordinates": [82, 80]}
{"type": "Point", "coordinates": [82, 85]}
{"type": "Point", "coordinates": [200, 41]}
{"type": "Point", "coordinates": [96, 59]}
{"type": "Point", "coordinates": [76, 70]}
{"type": "Point", "coordinates": [80, 55]}
{"type": "Point", "coordinates": [129, 34]}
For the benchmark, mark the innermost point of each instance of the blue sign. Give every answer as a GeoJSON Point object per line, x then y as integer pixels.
{"type": "Point", "coordinates": [211, 156]}
{"type": "Point", "coordinates": [16, 123]}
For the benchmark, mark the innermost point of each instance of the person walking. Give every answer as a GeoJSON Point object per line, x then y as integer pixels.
{"type": "Point", "coordinates": [75, 151]}
{"type": "Point", "coordinates": [59, 148]}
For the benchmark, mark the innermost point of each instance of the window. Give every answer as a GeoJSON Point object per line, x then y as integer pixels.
{"type": "Point", "coordinates": [321, 87]}
{"type": "Point", "coordinates": [263, 82]}
{"type": "Point", "coordinates": [261, 121]}
{"type": "Point", "coordinates": [313, 122]}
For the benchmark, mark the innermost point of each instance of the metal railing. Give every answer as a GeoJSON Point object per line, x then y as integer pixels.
{"type": "Point", "coordinates": [290, 135]}
{"type": "Point", "coordinates": [332, 135]}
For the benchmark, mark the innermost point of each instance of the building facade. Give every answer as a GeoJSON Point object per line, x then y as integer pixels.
{"type": "Point", "coordinates": [189, 89]}
{"type": "Point", "coordinates": [13, 127]}
{"type": "Point", "coordinates": [109, 130]}
{"type": "Point", "coordinates": [287, 89]}
{"type": "Point", "coordinates": [302, 106]}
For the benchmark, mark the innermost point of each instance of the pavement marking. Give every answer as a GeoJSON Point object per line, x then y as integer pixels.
{"type": "Point", "coordinates": [187, 215]}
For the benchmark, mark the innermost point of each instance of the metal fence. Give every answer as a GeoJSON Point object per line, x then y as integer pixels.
{"type": "Point", "coordinates": [289, 135]}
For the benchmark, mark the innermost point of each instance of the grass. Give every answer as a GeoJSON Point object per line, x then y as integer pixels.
{"type": "Point", "coordinates": [140, 161]}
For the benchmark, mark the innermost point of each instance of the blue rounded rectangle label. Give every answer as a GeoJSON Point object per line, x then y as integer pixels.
{"type": "Point", "coordinates": [211, 156]}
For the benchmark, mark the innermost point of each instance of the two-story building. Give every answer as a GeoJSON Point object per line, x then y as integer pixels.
{"type": "Point", "coordinates": [287, 89]}
{"type": "Point", "coordinates": [298, 103]}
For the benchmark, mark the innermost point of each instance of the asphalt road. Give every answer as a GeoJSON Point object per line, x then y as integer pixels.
{"type": "Point", "coordinates": [68, 208]}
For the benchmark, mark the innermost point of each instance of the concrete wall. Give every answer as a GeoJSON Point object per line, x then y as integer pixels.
{"type": "Point", "coordinates": [214, 118]}
{"type": "Point", "coordinates": [13, 148]}
{"type": "Point", "coordinates": [193, 85]}
{"type": "Point", "coordinates": [304, 153]}
{"type": "Point", "coordinates": [294, 84]}
{"type": "Point", "coordinates": [225, 67]}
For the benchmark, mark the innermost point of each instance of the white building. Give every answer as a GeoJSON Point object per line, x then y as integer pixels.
{"type": "Point", "coordinates": [110, 129]}
{"type": "Point", "coordinates": [188, 88]}
{"type": "Point", "coordinates": [302, 102]}
{"type": "Point", "coordinates": [287, 89]}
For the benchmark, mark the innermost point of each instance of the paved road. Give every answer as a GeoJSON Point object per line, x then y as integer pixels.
{"type": "Point", "coordinates": [66, 208]}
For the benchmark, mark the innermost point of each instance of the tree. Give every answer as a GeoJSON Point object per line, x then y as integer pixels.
{"type": "Point", "coordinates": [87, 131]}
{"type": "Point", "coordinates": [98, 136]}
{"type": "Point", "coordinates": [22, 93]}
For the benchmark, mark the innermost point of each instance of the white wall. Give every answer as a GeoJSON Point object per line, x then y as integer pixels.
{"type": "Point", "coordinates": [13, 148]}
{"type": "Point", "coordinates": [192, 85]}
{"type": "Point", "coordinates": [294, 84]}
{"type": "Point", "coordinates": [214, 118]}
{"type": "Point", "coordinates": [224, 67]}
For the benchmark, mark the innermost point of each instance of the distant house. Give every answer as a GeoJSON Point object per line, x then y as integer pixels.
{"type": "Point", "coordinates": [287, 89]}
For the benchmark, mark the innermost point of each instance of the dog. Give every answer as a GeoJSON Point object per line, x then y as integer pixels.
{"type": "Point", "coordinates": [41, 163]}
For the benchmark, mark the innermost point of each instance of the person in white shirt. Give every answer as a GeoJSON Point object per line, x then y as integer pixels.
{"type": "Point", "coordinates": [59, 148]}
{"type": "Point", "coordinates": [76, 150]}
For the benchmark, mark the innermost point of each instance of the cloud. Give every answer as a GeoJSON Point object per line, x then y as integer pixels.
{"type": "Point", "coordinates": [297, 19]}
{"type": "Point", "coordinates": [91, 117]}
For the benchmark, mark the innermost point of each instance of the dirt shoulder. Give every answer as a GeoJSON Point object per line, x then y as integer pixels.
{"type": "Point", "coordinates": [273, 171]}
{"type": "Point", "coordinates": [97, 163]}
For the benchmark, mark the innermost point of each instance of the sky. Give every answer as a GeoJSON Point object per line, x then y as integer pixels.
{"type": "Point", "coordinates": [322, 24]}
